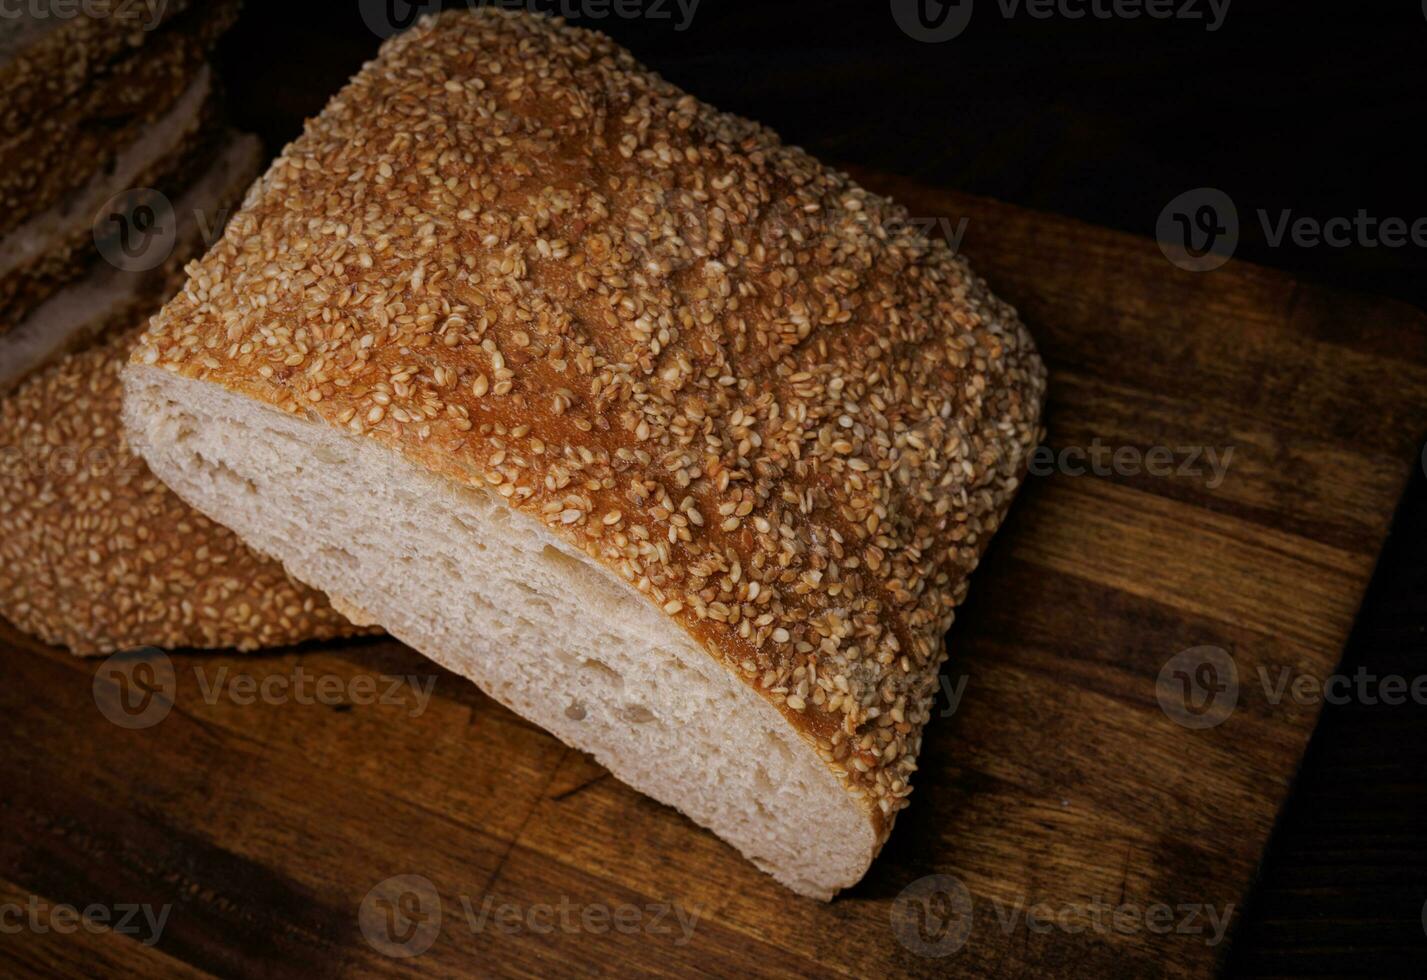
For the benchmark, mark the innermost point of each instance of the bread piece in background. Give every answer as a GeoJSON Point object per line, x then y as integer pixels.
{"type": "Point", "coordinates": [114, 298]}
{"type": "Point", "coordinates": [58, 245]}
{"type": "Point", "coordinates": [70, 145]}
{"type": "Point", "coordinates": [675, 441]}
{"type": "Point", "coordinates": [53, 49]}
{"type": "Point", "coordinates": [97, 555]}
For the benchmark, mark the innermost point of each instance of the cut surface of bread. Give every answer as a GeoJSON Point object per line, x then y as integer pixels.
{"type": "Point", "coordinates": [111, 298]}
{"type": "Point", "coordinates": [617, 405]}
{"type": "Point", "coordinates": [98, 556]}
{"type": "Point", "coordinates": [495, 596]}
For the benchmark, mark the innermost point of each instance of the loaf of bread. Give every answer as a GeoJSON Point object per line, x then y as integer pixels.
{"type": "Point", "coordinates": [674, 440]}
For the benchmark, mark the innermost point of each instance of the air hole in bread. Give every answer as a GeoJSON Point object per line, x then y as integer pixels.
{"type": "Point", "coordinates": [578, 570]}
{"type": "Point", "coordinates": [339, 556]}
{"type": "Point", "coordinates": [637, 713]}
{"type": "Point", "coordinates": [329, 455]}
{"type": "Point", "coordinates": [611, 676]}
{"type": "Point", "coordinates": [221, 472]}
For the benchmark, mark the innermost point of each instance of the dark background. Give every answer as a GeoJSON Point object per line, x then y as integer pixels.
{"type": "Point", "coordinates": [1317, 108]}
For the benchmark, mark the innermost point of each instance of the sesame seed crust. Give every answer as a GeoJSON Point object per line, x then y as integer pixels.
{"type": "Point", "coordinates": [97, 555]}
{"type": "Point", "coordinates": [729, 374]}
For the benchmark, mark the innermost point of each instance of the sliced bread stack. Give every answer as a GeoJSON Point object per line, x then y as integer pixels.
{"type": "Point", "coordinates": [103, 102]}
{"type": "Point", "coordinates": [116, 170]}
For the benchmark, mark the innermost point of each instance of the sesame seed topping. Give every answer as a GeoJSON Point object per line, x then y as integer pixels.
{"type": "Point", "coordinates": [751, 389]}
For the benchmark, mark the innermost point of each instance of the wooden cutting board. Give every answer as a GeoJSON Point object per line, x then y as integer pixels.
{"type": "Point", "coordinates": [1075, 824]}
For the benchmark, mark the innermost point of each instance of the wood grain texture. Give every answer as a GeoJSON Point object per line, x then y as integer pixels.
{"type": "Point", "coordinates": [1058, 785]}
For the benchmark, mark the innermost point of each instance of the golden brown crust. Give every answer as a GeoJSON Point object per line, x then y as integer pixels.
{"type": "Point", "coordinates": [731, 375]}
{"type": "Point", "coordinates": [97, 555]}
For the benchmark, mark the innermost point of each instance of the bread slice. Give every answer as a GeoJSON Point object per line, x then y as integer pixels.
{"type": "Point", "coordinates": [60, 150]}
{"type": "Point", "coordinates": [675, 441]}
{"type": "Point", "coordinates": [96, 554]}
{"type": "Point", "coordinates": [58, 245]}
{"type": "Point", "coordinates": [52, 49]}
{"type": "Point", "coordinates": [111, 298]}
